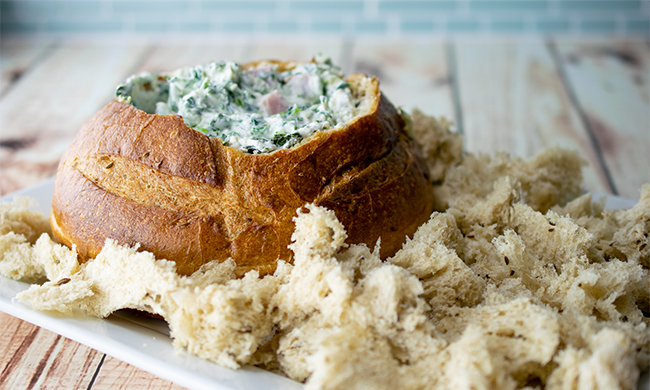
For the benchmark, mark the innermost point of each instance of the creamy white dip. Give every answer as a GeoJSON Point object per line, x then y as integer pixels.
{"type": "Point", "coordinates": [256, 110]}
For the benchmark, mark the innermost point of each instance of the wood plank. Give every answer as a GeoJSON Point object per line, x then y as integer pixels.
{"type": "Point", "coordinates": [610, 80]}
{"type": "Point", "coordinates": [513, 99]}
{"type": "Point", "coordinates": [18, 56]}
{"type": "Point", "coordinates": [411, 75]}
{"type": "Point", "coordinates": [115, 374]}
{"type": "Point", "coordinates": [303, 51]}
{"type": "Point", "coordinates": [170, 57]}
{"type": "Point", "coordinates": [164, 59]}
{"type": "Point", "coordinates": [40, 116]}
{"type": "Point", "coordinates": [32, 357]}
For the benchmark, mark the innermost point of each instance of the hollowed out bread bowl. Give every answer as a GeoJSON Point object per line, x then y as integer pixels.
{"type": "Point", "coordinates": [150, 179]}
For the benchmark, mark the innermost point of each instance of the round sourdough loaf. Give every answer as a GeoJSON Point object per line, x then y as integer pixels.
{"type": "Point", "coordinates": [151, 180]}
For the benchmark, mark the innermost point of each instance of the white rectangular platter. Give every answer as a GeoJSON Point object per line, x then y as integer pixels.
{"type": "Point", "coordinates": [146, 343]}
{"type": "Point", "coordinates": [143, 343]}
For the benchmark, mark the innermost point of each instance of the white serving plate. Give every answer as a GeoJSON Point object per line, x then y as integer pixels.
{"type": "Point", "coordinates": [146, 343]}
{"type": "Point", "coordinates": [141, 342]}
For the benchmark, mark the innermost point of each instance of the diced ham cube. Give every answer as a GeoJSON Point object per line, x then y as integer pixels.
{"type": "Point", "coordinates": [304, 84]}
{"type": "Point", "coordinates": [273, 103]}
{"type": "Point", "coordinates": [259, 70]}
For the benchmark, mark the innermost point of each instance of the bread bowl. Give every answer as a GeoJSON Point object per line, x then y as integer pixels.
{"type": "Point", "coordinates": [148, 179]}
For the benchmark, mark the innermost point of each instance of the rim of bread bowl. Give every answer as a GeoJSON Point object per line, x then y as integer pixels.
{"type": "Point", "coordinates": [356, 79]}
{"type": "Point", "coordinates": [379, 112]}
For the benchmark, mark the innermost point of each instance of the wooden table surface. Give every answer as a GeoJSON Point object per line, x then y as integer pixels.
{"type": "Point", "coordinates": [518, 96]}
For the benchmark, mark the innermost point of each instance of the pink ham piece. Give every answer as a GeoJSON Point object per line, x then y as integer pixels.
{"type": "Point", "coordinates": [273, 103]}
{"type": "Point", "coordinates": [259, 70]}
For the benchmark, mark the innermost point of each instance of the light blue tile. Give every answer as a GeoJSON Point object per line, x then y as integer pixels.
{"type": "Point", "coordinates": [604, 26]}
{"type": "Point", "coordinates": [282, 26]}
{"type": "Point", "coordinates": [320, 6]}
{"type": "Point", "coordinates": [82, 8]}
{"type": "Point", "coordinates": [37, 5]}
{"type": "Point", "coordinates": [31, 10]}
{"type": "Point", "coordinates": [242, 7]}
{"type": "Point", "coordinates": [599, 5]}
{"type": "Point", "coordinates": [7, 13]}
{"type": "Point", "coordinates": [414, 6]}
{"type": "Point", "coordinates": [498, 6]}
{"type": "Point", "coordinates": [170, 7]}
{"type": "Point", "coordinates": [416, 26]}
{"type": "Point", "coordinates": [239, 26]}
{"type": "Point", "coordinates": [85, 26]}
{"type": "Point", "coordinates": [19, 27]}
{"type": "Point", "coordinates": [638, 27]}
{"type": "Point", "coordinates": [194, 26]}
{"type": "Point", "coordinates": [552, 25]}
{"type": "Point", "coordinates": [153, 26]}
{"type": "Point", "coordinates": [324, 26]}
{"type": "Point", "coordinates": [463, 25]}
{"type": "Point", "coordinates": [507, 25]}
{"type": "Point", "coordinates": [375, 26]}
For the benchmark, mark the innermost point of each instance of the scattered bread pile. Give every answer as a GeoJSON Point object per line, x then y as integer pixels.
{"type": "Point", "coordinates": [509, 288]}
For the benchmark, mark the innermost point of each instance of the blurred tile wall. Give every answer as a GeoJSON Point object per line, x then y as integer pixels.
{"type": "Point", "coordinates": [389, 18]}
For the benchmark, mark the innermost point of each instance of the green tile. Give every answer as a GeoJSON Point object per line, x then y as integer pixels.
{"type": "Point", "coordinates": [238, 6]}
{"type": "Point", "coordinates": [462, 25]}
{"type": "Point", "coordinates": [85, 26]}
{"type": "Point", "coordinates": [326, 26]}
{"type": "Point", "coordinates": [507, 26]}
{"type": "Point", "coordinates": [172, 7]}
{"type": "Point", "coordinates": [79, 8]}
{"type": "Point", "coordinates": [597, 25]}
{"type": "Point", "coordinates": [416, 26]}
{"type": "Point", "coordinates": [194, 27]}
{"type": "Point", "coordinates": [609, 5]}
{"type": "Point", "coordinates": [498, 6]}
{"type": "Point", "coordinates": [282, 26]}
{"type": "Point", "coordinates": [335, 6]}
{"type": "Point", "coordinates": [153, 26]}
{"type": "Point", "coordinates": [239, 26]}
{"type": "Point", "coordinates": [19, 27]}
{"type": "Point", "coordinates": [410, 6]}
{"type": "Point", "coordinates": [31, 10]}
{"type": "Point", "coordinates": [552, 25]}
{"type": "Point", "coordinates": [638, 26]}
{"type": "Point", "coordinates": [370, 26]}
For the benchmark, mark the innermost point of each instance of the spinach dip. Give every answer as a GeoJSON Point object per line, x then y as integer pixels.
{"type": "Point", "coordinates": [256, 110]}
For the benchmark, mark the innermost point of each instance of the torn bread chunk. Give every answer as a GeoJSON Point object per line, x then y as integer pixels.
{"type": "Point", "coordinates": [492, 293]}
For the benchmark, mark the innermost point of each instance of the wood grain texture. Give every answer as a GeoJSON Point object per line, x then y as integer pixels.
{"type": "Point", "coordinates": [42, 113]}
{"type": "Point", "coordinates": [114, 374]}
{"type": "Point", "coordinates": [610, 80]}
{"type": "Point", "coordinates": [18, 56]}
{"type": "Point", "coordinates": [34, 358]}
{"type": "Point", "coordinates": [411, 75]}
{"type": "Point", "coordinates": [514, 100]}
{"type": "Point", "coordinates": [296, 52]}
{"type": "Point", "coordinates": [512, 96]}
{"type": "Point", "coordinates": [162, 59]}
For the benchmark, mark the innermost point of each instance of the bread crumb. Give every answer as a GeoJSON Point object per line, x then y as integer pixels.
{"type": "Point", "coordinates": [441, 147]}
{"type": "Point", "coordinates": [17, 217]}
{"type": "Point", "coordinates": [520, 283]}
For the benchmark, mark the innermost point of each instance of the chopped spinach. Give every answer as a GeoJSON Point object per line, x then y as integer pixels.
{"type": "Point", "coordinates": [240, 106]}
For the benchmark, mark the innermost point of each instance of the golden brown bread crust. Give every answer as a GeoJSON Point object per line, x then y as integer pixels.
{"type": "Point", "coordinates": [150, 179]}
